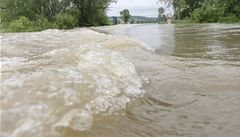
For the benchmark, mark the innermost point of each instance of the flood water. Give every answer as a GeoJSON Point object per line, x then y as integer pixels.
{"type": "Point", "coordinates": [122, 81]}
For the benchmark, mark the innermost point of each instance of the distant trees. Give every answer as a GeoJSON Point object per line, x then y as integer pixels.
{"type": "Point", "coordinates": [44, 14]}
{"type": "Point", "coordinates": [125, 15]}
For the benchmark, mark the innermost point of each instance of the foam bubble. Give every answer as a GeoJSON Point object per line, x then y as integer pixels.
{"type": "Point", "coordinates": [64, 85]}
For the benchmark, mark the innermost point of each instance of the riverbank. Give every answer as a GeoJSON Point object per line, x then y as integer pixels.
{"type": "Point", "coordinates": [223, 21]}
{"type": "Point", "coordinates": [34, 27]}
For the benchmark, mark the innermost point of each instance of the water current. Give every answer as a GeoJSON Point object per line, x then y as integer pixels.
{"type": "Point", "coordinates": [122, 81]}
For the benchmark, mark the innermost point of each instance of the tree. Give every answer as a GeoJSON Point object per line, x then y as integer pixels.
{"type": "Point", "coordinates": [168, 3]}
{"type": "Point", "coordinates": [90, 11]}
{"type": "Point", "coordinates": [160, 12]}
{"type": "Point", "coordinates": [184, 8]}
{"type": "Point", "coordinates": [217, 11]}
{"type": "Point", "coordinates": [65, 21]}
{"type": "Point", "coordinates": [86, 12]}
{"type": "Point", "coordinates": [125, 15]}
{"type": "Point", "coordinates": [205, 10]}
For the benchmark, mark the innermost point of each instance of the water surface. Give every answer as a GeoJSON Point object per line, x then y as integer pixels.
{"type": "Point", "coordinates": [208, 41]}
{"type": "Point", "coordinates": [83, 83]}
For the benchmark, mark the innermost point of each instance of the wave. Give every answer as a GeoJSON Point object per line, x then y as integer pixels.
{"type": "Point", "coordinates": [53, 80]}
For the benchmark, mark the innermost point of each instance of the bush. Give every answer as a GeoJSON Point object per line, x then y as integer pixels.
{"type": "Point", "coordinates": [42, 23]}
{"type": "Point", "coordinates": [207, 13]}
{"type": "Point", "coordinates": [229, 19]}
{"type": "Point", "coordinates": [2, 28]}
{"type": "Point", "coordinates": [21, 25]}
{"type": "Point", "coordinates": [65, 21]}
{"type": "Point", "coordinates": [101, 18]}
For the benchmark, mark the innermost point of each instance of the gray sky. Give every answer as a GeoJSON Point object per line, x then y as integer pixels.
{"type": "Point", "coordinates": [136, 7]}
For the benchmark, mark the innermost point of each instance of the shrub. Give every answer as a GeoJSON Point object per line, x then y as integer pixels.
{"type": "Point", "coordinates": [42, 23]}
{"type": "Point", "coordinates": [21, 25]}
{"type": "Point", "coordinates": [229, 19]}
{"type": "Point", "coordinates": [184, 21]}
{"type": "Point", "coordinates": [207, 13]}
{"type": "Point", "coordinates": [101, 18]}
{"type": "Point", "coordinates": [65, 21]}
{"type": "Point", "coordinates": [2, 27]}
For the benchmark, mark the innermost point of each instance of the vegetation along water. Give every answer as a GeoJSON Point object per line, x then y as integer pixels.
{"type": "Point", "coordinates": [34, 15]}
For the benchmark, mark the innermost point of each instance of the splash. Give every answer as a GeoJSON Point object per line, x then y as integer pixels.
{"type": "Point", "coordinates": [61, 79]}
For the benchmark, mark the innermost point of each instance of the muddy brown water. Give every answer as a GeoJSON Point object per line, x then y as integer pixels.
{"type": "Point", "coordinates": [126, 81]}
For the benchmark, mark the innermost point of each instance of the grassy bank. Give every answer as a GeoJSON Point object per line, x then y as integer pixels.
{"type": "Point", "coordinates": [223, 20]}
{"type": "Point", "coordinates": [24, 24]}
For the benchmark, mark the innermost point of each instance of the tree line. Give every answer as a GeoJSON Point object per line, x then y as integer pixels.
{"type": "Point", "coordinates": [210, 11]}
{"type": "Point", "coordinates": [198, 11]}
{"type": "Point", "coordinates": [35, 15]}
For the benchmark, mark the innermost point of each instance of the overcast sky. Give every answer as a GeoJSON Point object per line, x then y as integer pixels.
{"type": "Point", "coordinates": [147, 8]}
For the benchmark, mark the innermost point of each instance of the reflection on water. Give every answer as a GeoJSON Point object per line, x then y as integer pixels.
{"type": "Point", "coordinates": [81, 83]}
{"type": "Point", "coordinates": [210, 41]}
{"type": "Point", "coordinates": [159, 37]}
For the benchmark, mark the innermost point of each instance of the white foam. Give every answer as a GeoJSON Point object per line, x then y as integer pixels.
{"type": "Point", "coordinates": [72, 78]}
